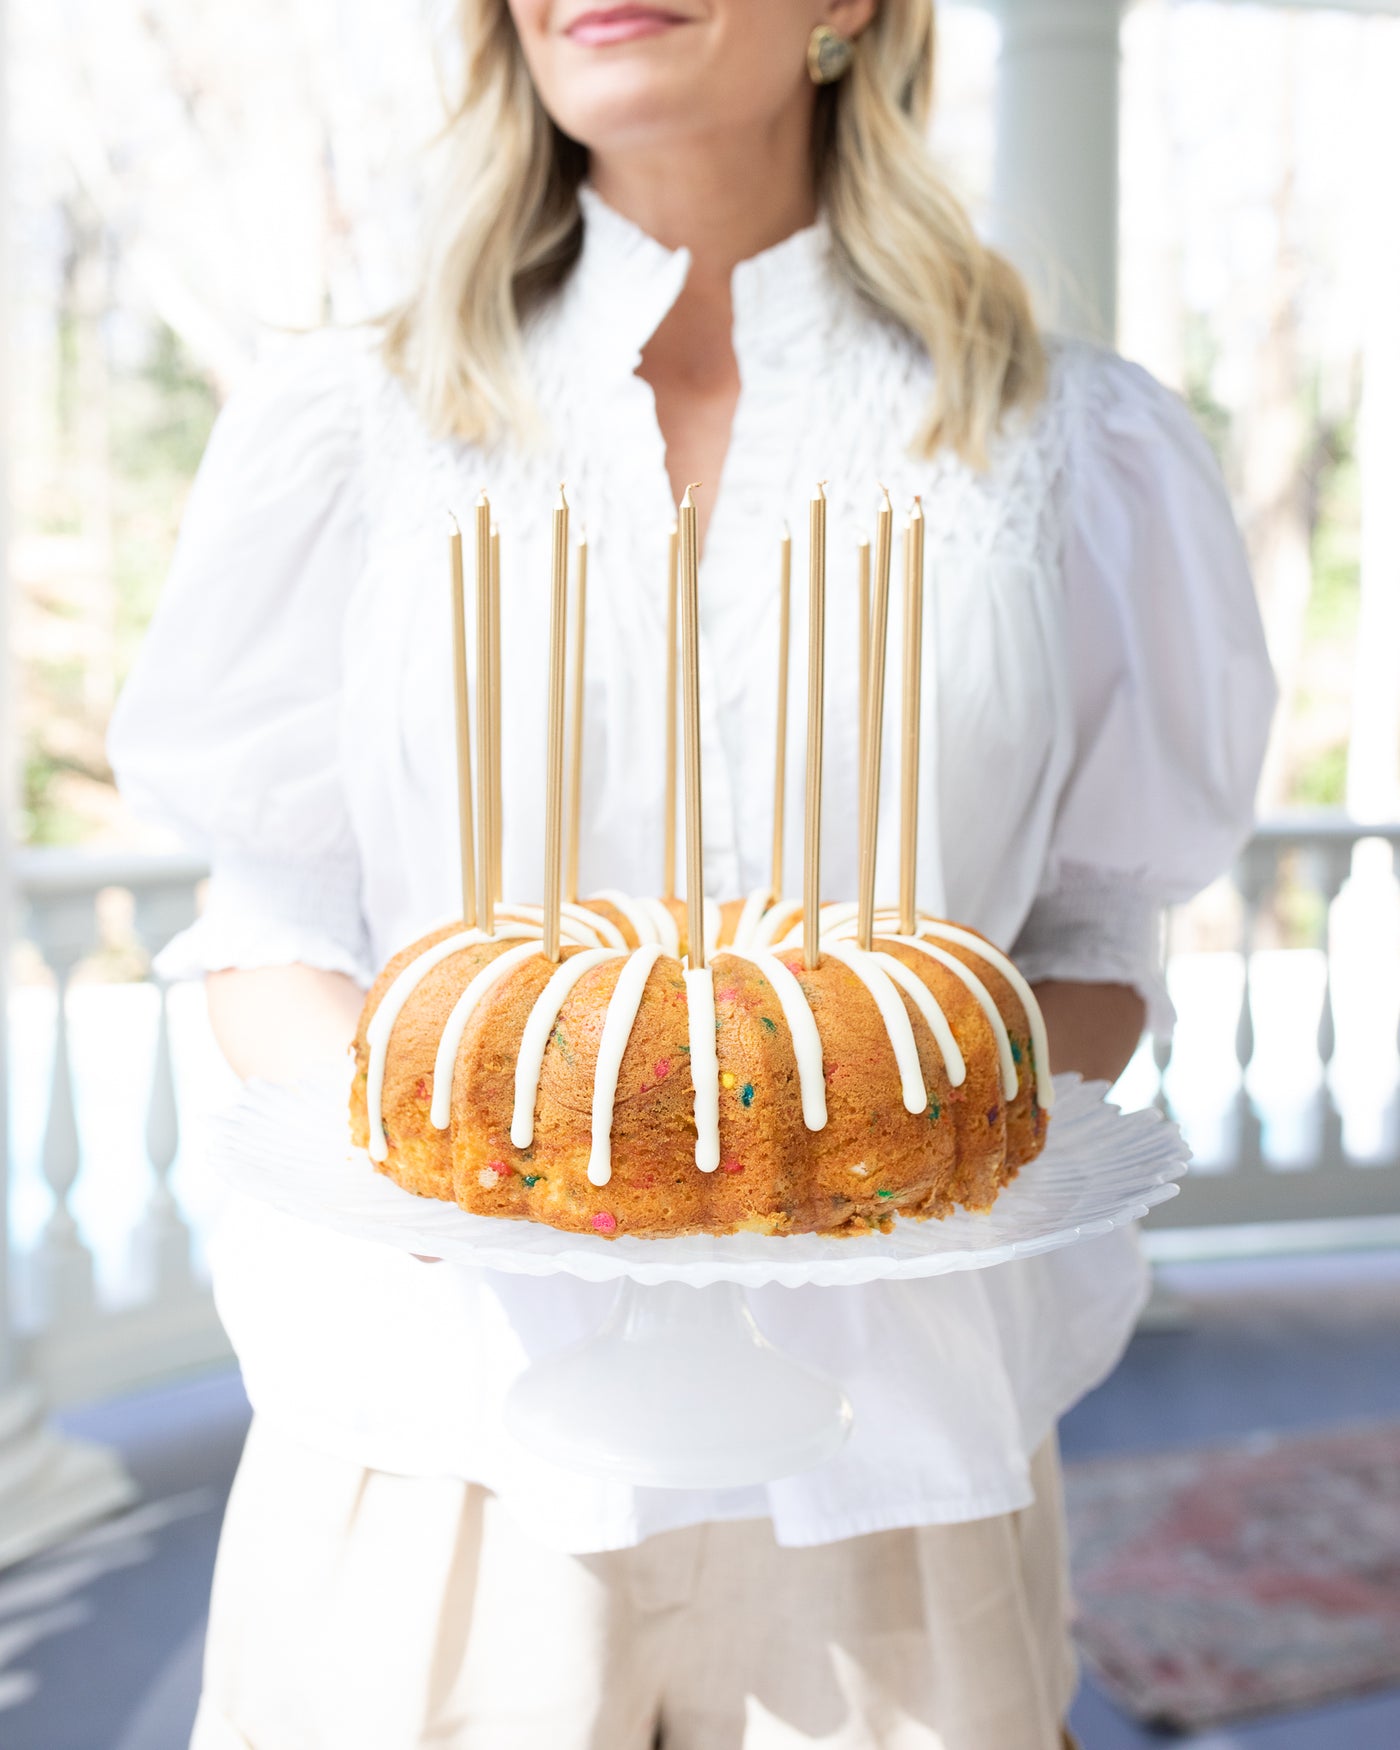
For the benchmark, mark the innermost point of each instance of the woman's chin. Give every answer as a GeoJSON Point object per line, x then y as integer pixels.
{"type": "Point", "coordinates": [629, 110]}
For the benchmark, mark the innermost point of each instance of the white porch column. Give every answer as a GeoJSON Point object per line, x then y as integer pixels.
{"type": "Point", "coordinates": [49, 1486]}
{"type": "Point", "coordinates": [1055, 191]}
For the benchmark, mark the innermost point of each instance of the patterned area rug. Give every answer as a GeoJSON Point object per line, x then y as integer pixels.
{"type": "Point", "coordinates": [1248, 1579]}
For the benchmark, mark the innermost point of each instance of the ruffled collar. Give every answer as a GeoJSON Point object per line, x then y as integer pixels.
{"type": "Point", "coordinates": [625, 283]}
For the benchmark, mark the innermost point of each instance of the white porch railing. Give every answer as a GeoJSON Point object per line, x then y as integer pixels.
{"type": "Point", "coordinates": [151, 1314]}
{"type": "Point", "coordinates": [1285, 1068]}
{"type": "Point", "coordinates": [1285, 1073]}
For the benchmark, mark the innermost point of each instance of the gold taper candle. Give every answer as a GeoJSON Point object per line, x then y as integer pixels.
{"type": "Point", "coordinates": [554, 768]}
{"type": "Point", "coordinates": [466, 838]}
{"type": "Point", "coordinates": [690, 682]}
{"type": "Point", "coordinates": [862, 664]}
{"type": "Point", "coordinates": [576, 721]}
{"type": "Point", "coordinates": [780, 761]}
{"type": "Point", "coordinates": [485, 898]}
{"type": "Point", "coordinates": [668, 852]}
{"type": "Point", "coordinates": [497, 820]}
{"type": "Point", "coordinates": [816, 704]}
{"type": "Point", "coordinates": [913, 689]}
{"type": "Point", "coordinates": [873, 729]}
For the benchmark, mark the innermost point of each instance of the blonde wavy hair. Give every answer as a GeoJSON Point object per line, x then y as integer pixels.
{"type": "Point", "coordinates": [509, 231]}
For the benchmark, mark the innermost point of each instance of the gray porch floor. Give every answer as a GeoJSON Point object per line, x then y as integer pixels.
{"type": "Point", "coordinates": [100, 1642]}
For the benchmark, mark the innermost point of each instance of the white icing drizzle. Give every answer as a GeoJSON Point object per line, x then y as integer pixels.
{"type": "Point", "coordinates": [1040, 1040]}
{"type": "Point", "coordinates": [781, 924]}
{"type": "Point", "coordinates": [1010, 1082]}
{"type": "Point", "coordinates": [535, 1038]}
{"type": "Point", "coordinates": [445, 1063]}
{"type": "Point", "coordinates": [617, 1030]}
{"type": "Point", "coordinates": [667, 931]}
{"type": "Point", "coordinates": [651, 919]}
{"type": "Point", "coordinates": [704, 1064]}
{"type": "Point", "coordinates": [637, 912]}
{"type": "Point", "coordinates": [776, 922]}
{"type": "Point", "coordinates": [931, 1009]}
{"type": "Point", "coordinates": [754, 908]}
{"type": "Point", "coordinates": [578, 927]}
{"type": "Point", "coordinates": [887, 920]}
{"type": "Point", "coordinates": [802, 1025]}
{"type": "Point", "coordinates": [391, 1004]}
{"type": "Point", "coordinates": [604, 929]}
{"type": "Point", "coordinates": [895, 1016]}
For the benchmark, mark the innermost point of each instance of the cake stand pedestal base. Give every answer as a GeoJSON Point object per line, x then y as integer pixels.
{"type": "Point", "coordinates": [678, 1390]}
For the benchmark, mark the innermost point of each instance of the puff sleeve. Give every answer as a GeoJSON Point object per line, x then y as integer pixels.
{"type": "Point", "coordinates": [227, 730]}
{"type": "Point", "coordinates": [1171, 691]}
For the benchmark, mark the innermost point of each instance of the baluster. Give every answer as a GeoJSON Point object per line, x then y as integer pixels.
{"type": "Point", "coordinates": [64, 928]}
{"type": "Point", "coordinates": [1329, 867]}
{"type": "Point", "coordinates": [160, 1243]}
{"type": "Point", "coordinates": [1253, 876]}
{"type": "Point", "coordinates": [1395, 1103]}
{"type": "Point", "coordinates": [1162, 1042]}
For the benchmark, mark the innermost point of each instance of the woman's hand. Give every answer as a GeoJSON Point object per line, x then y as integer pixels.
{"type": "Point", "coordinates": [278, 1022]}
{"type": "Point", "coordinates": [1093, 1028]}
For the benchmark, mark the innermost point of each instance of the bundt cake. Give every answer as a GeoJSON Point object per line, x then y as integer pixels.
{"type": "Point", "coordinates": [618, 1092]}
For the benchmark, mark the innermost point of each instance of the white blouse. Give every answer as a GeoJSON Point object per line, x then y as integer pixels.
{"type": "Point", "coordinates": [1096, 701]}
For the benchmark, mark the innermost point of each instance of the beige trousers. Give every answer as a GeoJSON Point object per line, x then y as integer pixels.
{"type": "Point", "coordinates": [354, 1610]}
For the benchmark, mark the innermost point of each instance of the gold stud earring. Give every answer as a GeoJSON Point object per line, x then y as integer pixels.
{"type": "Point", "coordinates": [829, 55]}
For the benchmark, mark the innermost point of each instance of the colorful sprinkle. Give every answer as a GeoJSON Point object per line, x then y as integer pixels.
{"type": "Point", "coordinates": [993, 1113]}
{"type": "Point", "coordinates": [769, 1023]}
{"type": "Point", "coordinates": [729, 994]}
{"type": "Point", "coordinates": [935, 1111]}
{"type": "Point", "coordinates": [604, 1222]}
{"type": "Point", "coordinates": [530, 1180]}
{"type": "Point", "coordinates": [1015, 1051]}
{"type": "Point", "coordinates": [420, 1088]}
{"type": "Point", "coordinates": [662, 1068]}
{"type": "Point", "coordinates": [728, 1078]}
{"type": "Point", "coordinates": [884, 1193]}
{"type": "Point", "coordinates": [499, 1167]}
{"type": "Point", "coordinates": [731, 1166]}
{"type": "Point", "coordinates": [746, 1094]}
{"type": "Point", "coordinates": [860, 1168]}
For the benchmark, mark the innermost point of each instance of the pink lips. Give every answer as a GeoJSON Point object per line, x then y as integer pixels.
{"type": "Point", "coordinates": [620, 24]}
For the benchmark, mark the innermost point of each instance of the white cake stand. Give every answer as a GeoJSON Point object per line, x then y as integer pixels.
{"type": "Point", "coordinates": [679, 1388]}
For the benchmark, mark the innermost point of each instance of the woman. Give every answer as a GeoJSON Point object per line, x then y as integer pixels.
{"type": "Point", "coordinates": [705, 243]}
